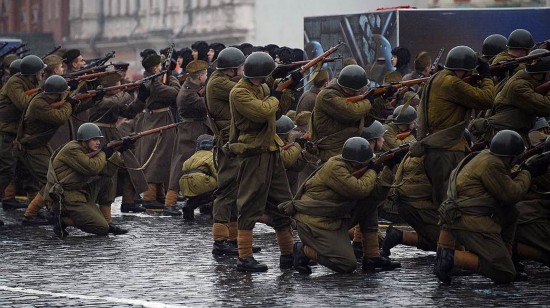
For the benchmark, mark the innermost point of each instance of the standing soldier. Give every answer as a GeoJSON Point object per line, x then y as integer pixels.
{"type": "Point", "coordinates": [192, 111]}
{"type": "Point", "coordinates": [335, 120]}
{"type": "Point", "coordinates": [480, 211]}
{"type": "Point", "coordinates": [79, 177]}
{"type": "Point", "coordinates": [262, 182]}
{"type": "Point", "coordinates": [45, 114]}
{"type": "Point", "coordinates": [224, 230]}
{"type": "Point", "coordinates": [157, 152]}
{"type": "Point", "coordinates": [13, 103]}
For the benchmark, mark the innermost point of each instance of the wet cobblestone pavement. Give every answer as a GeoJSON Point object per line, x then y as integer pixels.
{"type": "Point", "coordinates": [167, 262]}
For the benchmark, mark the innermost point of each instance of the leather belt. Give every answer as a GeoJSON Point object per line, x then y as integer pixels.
{"type": "Point", "coordinates": [157, 110]}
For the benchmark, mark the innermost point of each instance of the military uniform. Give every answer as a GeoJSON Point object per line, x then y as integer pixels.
{"type": "Point", "coordinates": [76, 183]}
{"type": "Point", "coordinates": [198, 181]}
{"type": "Point", "coordinates": [390, 137]}
{"type": "Point", "coordinates": [502, 79]}
{"type": "Point", "coordinates": [307, 100]}
{"type": "Point", "coordinates": [481, 212]}
{"type": "Point", "coordinates": [335, 120]}
{"type": "Point", "coordinates": [294, 162]}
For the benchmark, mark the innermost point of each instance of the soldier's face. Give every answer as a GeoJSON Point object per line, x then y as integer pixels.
{"type": "Point", "coordinates": [195, 54]}
{"type": "Point", "coordinates": [59, 70]}
{"type": "Point", "coordinates": [93, 144]}
{"type": "Point", "coordinates": [240, 70]}
{"type": "Point", "coordinates": [210, 54]}
{"type": "Point", "coordinates": [40, 75]}
{"type": "Point", "coordinates": [79, 62]}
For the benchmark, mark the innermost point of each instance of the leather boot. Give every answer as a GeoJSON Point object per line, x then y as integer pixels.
{"type": "Point", "coordinates": [116, 230]}
{"type": "Point", "coordinates": [12, 204]}
{"type": "Point", "coordinates": [444, 262]}
{"type": "Point", "coordinates": [371, 264]}
{"type": "Point", "coordinates": [301, 261]}
{"type": "Point", "coordinates": [131, 208]}
{"type": "Point", "coordinates": [286, 261]}
{"type": "Point", "coordinates": [223, 248]}
{"type": "Point", "coordinates": [153, 206]}
{"type": "Point", "coordinates": [250, 264]}
{"type": "Point", "coordinates": [188, 212]}
{"type": "Point", "coordinates": [171, 211]}
{"type": "Point", "coordinates": [393, 238]}
{"type": "Point", "coordinates": [357, 249]}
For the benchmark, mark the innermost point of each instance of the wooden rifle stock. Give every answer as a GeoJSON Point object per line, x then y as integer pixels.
{"type": "Point", "coordinates": [297, 64]}
{"type": "Point", "coordinates": [403, 135]}
{"type": "Point", "coordinates": [86, 71]}
{"type": "Point", "coordinates": [33, 91]}
{"type": "Point", "coordinates": [536, 149]}
{"type": "Point", "coordinates": [287, 81]}
{"type": "Point", "coordinates": [92, 75]}
{"type": "Point", "coordinates": [380, 90]}
{"type": "Point", "coordinates": [383, 159]}
{"type": "Point", "coordinates": [504, 65]}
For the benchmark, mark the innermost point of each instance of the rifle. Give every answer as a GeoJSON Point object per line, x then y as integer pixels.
{"type": "Point", "coordinates": [86, 71]}
{"type": "Point", "coordinates": [182, 77]}
{"type": "Point", "coordinates": [52, 51]}
{"type": "Point", "coordinates": [294, 65]}
{"type": "Point", "coordinates": [435, 64]}
{"type": "Point", "coordinates": [167, 64]}
{"type": "Point", "coordinates": [287, 81]}
{"type": "Point", "coordinates": [2, 45]}
{"type": "Point", "coordinates": [101, 61]}
{"type": "Point", "coordinates": [13, 49]}
{"type": "Point", "coordinates": [20, 52]}
{"type": "Point", "coordinates": [384, 158]}
{"type": "Point", "coordinates": [77, 78]}
{"type": "Point", "coordinates": [504, 65]}
{"type": "Point", "coordinates": [136, 136]}
{"type": "Point", "coordinates": [123, 87]}
{"type": "Point", "coordinates": [377, 91]}
{"type": "Point", "coordinates": [478, 146]}
{"type": "Point", "coordinates": [536, 149]}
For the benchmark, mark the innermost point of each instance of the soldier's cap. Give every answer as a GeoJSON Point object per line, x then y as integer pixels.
{"type": "Point", "coordinates": [121, 66]}
{"type": "Point", "coordinates": [109, 80]}
{"type": "Point", "coordinates": [71, 55]}
{"type": "Point", "coordinates": [151, 60]}
{"type": "Point", "coordinates": [60, 52]}
{"type": "Point", "coordinates": [302, 118]}
{"type": "Point", "coordinates": [422, 60]}
{"type": "Point", "coordinates": [196, 66]}
{"type": "Point", "coordinates": [291, 114]}
{"type": "Point", "coordinates": [349, 61]}
{"type": "Point", "coordinates": [52, 61]}
{"type": "Point", "coordinates": [8, 59]}
{"type": "Point", "coordinates": [147, 52]}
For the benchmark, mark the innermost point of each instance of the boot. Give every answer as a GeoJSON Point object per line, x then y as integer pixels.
{"type": "Point", "coordinates": [393, 238]}
{"type": "Point", "coordinates": [131, 208]}
{"type": "Point", "coordinates": [444, 262]}
{"type": "Point", "coordinates": [12, 204]}
{"type": "Point", "coordinates": [188, 212]}
{"type": "Point", "coordinates": [250, 264]}
{"type": "Point", "coordinates": [35, 221]}
{"type": "Point", "coordinates": [223, 248]}
{"type": "Point", "coordinates": [286, 261]}
{"type": "Point", "coordinates": [301, 261]}
{"type": "Point", "coordinates": [153, 206]}
{"type": "Point", "coordinates": [357, 249]}
{"type": "Point", "coordinates": [370, 264]}
{"type": "Point", "coordinates": [116, 230]}
{"type": "Point", "coordinates": [171, 211]}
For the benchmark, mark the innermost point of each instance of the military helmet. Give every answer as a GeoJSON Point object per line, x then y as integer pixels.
{"type": "Point", "coordinates": [88, 131]}
{"type": "Point", "coordinates": [357, 149]}
{"type": "Point", "coordinates": [404, 117]}
{"type": "Point", "coordinates": [540, 124]}
{"type": "Point", "coordinates": [15, 67]}
{"type": "Point", "coordinates": [546, 145]}
{"type": "Point", "coordinates": [205, 142]}
{"type": "Point", "coordinates": [31, 65]}
{"type": "Point", "coordinates": [374, 131]}
{"type": "Point", "coordinates": [520, 38]}
{"type": "Point", "coordinates": [55, 84]}
{"type": "Point", "coordinates": [230, 57]}
{"type": "Point", "coordinates": [258, 65]}
{"type": "Point", "coordinates": [493, 45]}
{"type": "Point", "coordinates": [507, 143]}
{"type": "Point", "coordinates": [352, 77]}
{"type": "Point", "coordinates": [541, 65]}
{"type": "Point", "coordinates": [284, 125]}
{"type": "Point", "coordinates": [461, 58]}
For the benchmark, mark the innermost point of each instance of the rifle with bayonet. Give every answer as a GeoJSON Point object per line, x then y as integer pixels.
{"type": "Point", "coordinates": [136, 136]}
{"type": "Point", "coordinates": [167, 64]}
{"type": "Point", "coordinates": [87, 71]}
{"type": "Point", "coordinates": [124, 87]}
{"type": "Point", "coordinates": [52, 51]}
{"type": "Point", "coordinates": [282, 69]}
{"type": "Point", "coordinates": [382, 159]}
{"type": "Point", "coordinates": [23, 51]}
{"type": "Point", "coordinates": [101, 61]}
{"type": "Point", "coordinates": [434, 68]}
{"type": "Point", "coordinates": [287, 81]}
{"type": "Point", "coordinates": [377, 91]}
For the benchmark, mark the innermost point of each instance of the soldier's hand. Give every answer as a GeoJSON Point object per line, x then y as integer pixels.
{"type": "Point", "coordinates": [537, 165]}
{"type": "Point", "coordinates": [72, 101]}
{"type": "Point", "coordinates": [483, 68]}
{"type": "Point", "coordinates": [275, 93]}
{"type": "Point", "coordinates": [99, 96]}
{"type": "Point", "coordinates": [73, 84]}
{"type": "Point", "coordinates": [108, 151]}
{"type": "Point", "coordinates": [296, 78]}
{"type": "Point", "coordinates": [375, 167]}
{"type": "Point", "coordinates": [390, 92]}
{"type": "Point", "coordinates": [127, 143]}
{"type": "Point", "coordinates": [301, 141]}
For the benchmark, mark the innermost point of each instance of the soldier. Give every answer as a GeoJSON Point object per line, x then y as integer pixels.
{"type": "Point", "coordinates": [518, 104]}
{"type": "Point", "coordinates": [122, 68]}
{"type": "Point", "coordinates": [331, 202]}
{"type": "Point", "coordinates": [261, 178]}
{"type": "Point", "coordinates": [334, 119]}
{"type": "Point", "coordinates": [6, 63]}
{"type": "Point", "coordinates": [291, 152]}
{"type": "Point", "coordinates": [78, 177]}
{"type": "Point", "coordinates": [307, 100]}
{"type": "Point", "coordinates": [519, 43]}
{"type": "Point", "coordinates": [400, 59]}
{"type": "Point", "coordinates": [46, 112]}
{"type": "Point", "coordinates": [54, 66]}
{"type": "Point", "coordinates": [224, 230]}
{"type": "Point", "coordinates": [532, 233]}
{"type": "Point", "coordinates": [422, 67]}
{"type": "Point", "coordinates": [539, 132]}
{"type": "Point", "coordinates": [74, 60]}
{"type": "Point", "coordinates": [192, 111]}
{"type": "Point", "coordinates": [157, 152]}
{"type": "Point", "coordinates": [399, 131]}
{"type": "Point", "coordinates": [13, 103]}
{"type": "Point", "coordinates": [479, 211]}
{"type": "Point", "coordinates": [492, 46]}
{"type": "Point", "coordinates": [198, 180]}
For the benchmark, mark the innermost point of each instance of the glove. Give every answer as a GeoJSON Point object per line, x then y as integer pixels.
{"type": "Point", "coordinates": [274, 93]}
{"type": "Point", "coordinates": [301, 141]}
{"type": "Point", "coordinates": [375, 167]}
{"type": "Point", "coordinates": [483, 68]}
{"type": "Point", "coordinates": [72, 101]}
{"type": "Point", "coordinates": [127, 143]}
{"type": "Point", "coordinates": [537, 166]}
{"type": "Point", "coordinates": [390, 92]}
{"type": "Point", "coordinates": [143, 92]}
{"type": "Point", "coordinates": [98, 97]}
{"type": "Point", "coordinates": [296, 78]}
{"type": "Point", "coordinates": [73, 84]}
{"type": "Point", "coordinates": [108, 151]}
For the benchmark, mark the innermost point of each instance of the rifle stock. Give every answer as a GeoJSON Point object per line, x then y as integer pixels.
{"type": "Point", "coordinates": [287, 81]}
{"type": "Point", "coordinates": [380, 90]}
{"type": "Point", "coordinates": [383, 159]}
{"type": "Point", "coordinates": [86, 71]}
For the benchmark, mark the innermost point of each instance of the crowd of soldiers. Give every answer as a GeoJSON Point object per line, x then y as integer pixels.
{"type": "Point", "coordinates": [446, 153]}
